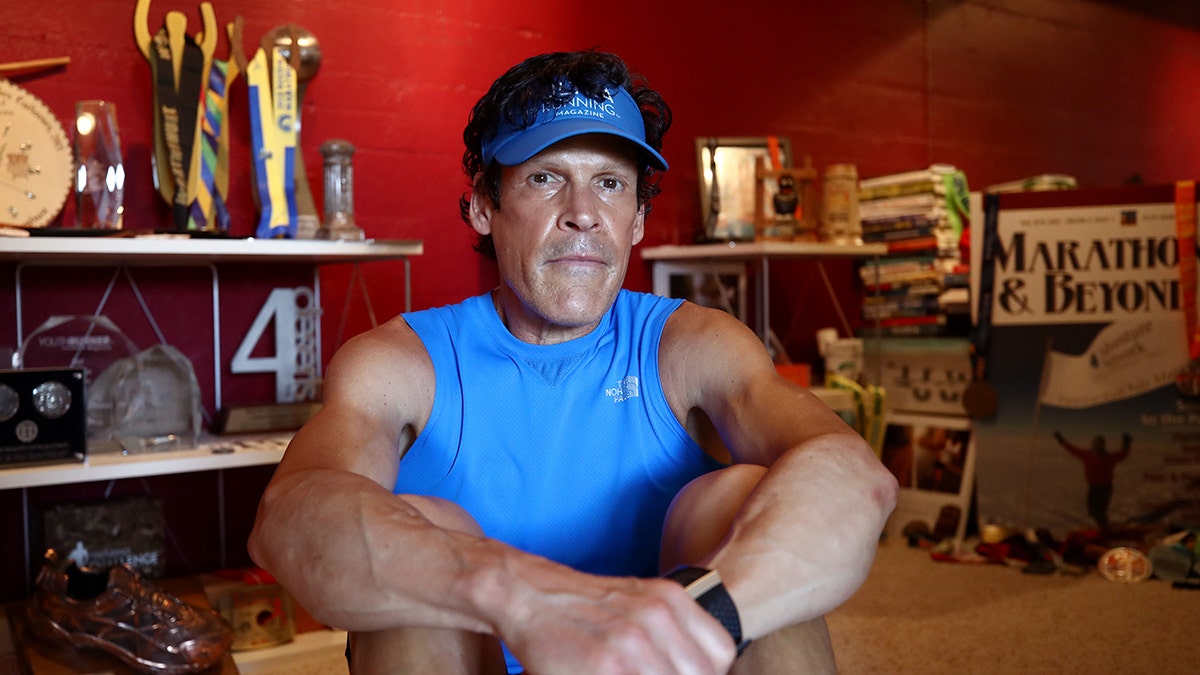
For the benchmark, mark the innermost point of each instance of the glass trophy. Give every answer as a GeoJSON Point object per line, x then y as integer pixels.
{"type": "Point", "coordinates": [339, 192]}
{"type": "Point", "coordinates": [99, 171]}
{"type": "Point", "coordinates": [89, 342]}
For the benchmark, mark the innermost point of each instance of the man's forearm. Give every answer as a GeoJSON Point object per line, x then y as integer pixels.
{"type": "Point", "coordinates": [360, 558]}
{"type": "Point", "coordinates": [806, 536]}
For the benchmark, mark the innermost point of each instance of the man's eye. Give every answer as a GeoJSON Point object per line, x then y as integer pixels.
{"type": "Point", "coordinates": [540, 178]}
{"type": "Point", "coordinates": [610, 183]}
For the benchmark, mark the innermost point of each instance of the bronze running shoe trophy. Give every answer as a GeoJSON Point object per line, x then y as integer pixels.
{"type": "Point", "coordinates": [117, 611]}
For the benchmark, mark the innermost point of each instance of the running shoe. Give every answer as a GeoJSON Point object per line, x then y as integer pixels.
{"type": "Point", "coordinates": [116, 611]}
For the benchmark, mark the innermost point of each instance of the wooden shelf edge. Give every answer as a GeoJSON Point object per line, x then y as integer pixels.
{"type": "Point", "coordinates": [171, 249]}
{"type": "Point", "coordinates": [758, 249]}
{"type": "Point", "coordinates": [211, 454]}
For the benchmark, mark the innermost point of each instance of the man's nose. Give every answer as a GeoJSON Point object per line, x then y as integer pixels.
{"type": "Point", "coordinates": [581, 210]}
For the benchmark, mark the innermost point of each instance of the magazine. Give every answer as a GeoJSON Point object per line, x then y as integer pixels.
{"type": "Point", "coordinates": [1097, 425]}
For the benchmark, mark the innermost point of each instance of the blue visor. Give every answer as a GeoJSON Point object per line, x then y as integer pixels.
{"type": "Point", "coordinates": [617, 115]}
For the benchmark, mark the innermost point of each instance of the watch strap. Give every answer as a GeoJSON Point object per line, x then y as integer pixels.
{"type": "Point", "coordinates": [707, 589]}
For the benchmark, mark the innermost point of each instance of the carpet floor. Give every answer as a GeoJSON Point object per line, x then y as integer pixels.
{"type": "Point", "coordinates": [917, 615]}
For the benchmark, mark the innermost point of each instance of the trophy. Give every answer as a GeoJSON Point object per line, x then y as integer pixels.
{"type": "Point", "coordinates": [300, 49]}
{"type": "Point", "coordinates": [339, 192]}
{"type": "Point", "coordinates": [99, 172]}
{"type": "Point", "coordinates": [190, 103]}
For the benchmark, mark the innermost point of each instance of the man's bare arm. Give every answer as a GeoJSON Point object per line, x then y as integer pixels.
{"type": "Point", "coordinates": [805, 538]}
{"type": "Point", "coordinates": [361, 558]}
{"type": "Point", "coordinates": [328, 525]}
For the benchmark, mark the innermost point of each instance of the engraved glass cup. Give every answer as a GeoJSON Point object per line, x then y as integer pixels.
{"type": "Point", "coordinates": [99, 171]}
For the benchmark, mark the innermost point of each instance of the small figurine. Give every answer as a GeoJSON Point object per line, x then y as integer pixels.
{"type": "Point", "coordinates": [786, 200]}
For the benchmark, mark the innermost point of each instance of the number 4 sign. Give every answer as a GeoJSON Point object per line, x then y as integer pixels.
{"type": "Point", "coordinates": [295, 363]}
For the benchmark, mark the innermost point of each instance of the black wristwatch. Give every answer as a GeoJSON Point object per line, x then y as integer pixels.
{"type": "Point", "coordinates": [707, 589]}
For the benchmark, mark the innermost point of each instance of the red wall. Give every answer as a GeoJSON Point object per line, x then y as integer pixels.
{"type": "Point", "coordinates": [1002, 88]}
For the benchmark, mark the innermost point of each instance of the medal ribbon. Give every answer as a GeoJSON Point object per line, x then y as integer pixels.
{"type": "Point", "coordinates": [168, 109]}
{"type": "Point", "coordinates": [160, 161]}
{"type": "Point", "coordinates": [981, 333]}
{"type": "Point", "coordinates": [191, 89]}
{"type": "Point", "coordinates": [178, 102]}
{"type": "Point", "coordinates": [269, 147]}
{"type": "Point", "coordinates": [258, 83]}
{"type": "Point", "coordinates": [1185, 233]}
{"type": "Point", "coordinates": [229, 73]}
{"type": "Point", "coordinates": [286, 122]}
{"type": "Point", "coordinates": [200, 215]}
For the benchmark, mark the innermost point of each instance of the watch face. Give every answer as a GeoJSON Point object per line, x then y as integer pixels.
{"type": "Point", "coordinates": [35, 160]}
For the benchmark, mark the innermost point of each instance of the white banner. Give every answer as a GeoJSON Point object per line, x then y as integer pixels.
{"type": "Point", "coordinates": [1126, 359]}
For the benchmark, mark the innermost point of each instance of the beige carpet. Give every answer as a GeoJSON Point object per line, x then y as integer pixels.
{"type": "Point", "coordinates": [915, 615]}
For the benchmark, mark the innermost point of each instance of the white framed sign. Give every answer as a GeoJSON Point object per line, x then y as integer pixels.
{"type": "Point", "coordinates": [708, 284]}
{"type": "Point", "coordinates": [933, 459]}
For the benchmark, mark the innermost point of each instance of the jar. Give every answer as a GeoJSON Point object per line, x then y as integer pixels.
{"type": "Point", "coordinates": [840, 223]}
{"type": "Point", "coordinates": [339, 192]}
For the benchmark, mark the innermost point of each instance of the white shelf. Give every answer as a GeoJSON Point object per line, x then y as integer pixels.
{"type": "Point", "coordinates": [170, 250]}
{"type": "Point", "coordinates": [214, 452]}
{"type": "Point", "coordinates": [763, 249]}
{"type": "Point", "coordinates": [184, 250]}
{"type": "Point", "coordinates": [761, 253]}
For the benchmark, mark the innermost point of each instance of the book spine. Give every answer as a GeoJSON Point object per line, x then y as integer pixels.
{"type": "Point", "coordinates": [870, 193]}
{"type": "Point", "coordinates": [933, 172]}
{"type": "Point", "coordinates": [919, 330]}
{"type": "Point", "coordinates": [918, 306]}
{"type": "Point", "coordinates": [918, 204]}
{"type": "Point", "coordinates": [901, 223]}
{"type": "Point", "coordinates": [897, 235]}
{"type": "Point", "coordinates": [926, 243]}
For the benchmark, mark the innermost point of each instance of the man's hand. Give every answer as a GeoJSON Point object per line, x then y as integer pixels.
{"type": "Point", "coordinates": [618, 625]}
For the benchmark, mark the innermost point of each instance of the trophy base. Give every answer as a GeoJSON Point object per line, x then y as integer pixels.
{"type": "Point", "coordinates": [341, 234]}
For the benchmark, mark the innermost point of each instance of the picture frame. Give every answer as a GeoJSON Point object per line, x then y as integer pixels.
{"type": "Point", "coordinates": [933, 458]}
{"type": "Point", "coordinates": [730, 161]}
{"type": "Point", "coordinates": [721, 285]}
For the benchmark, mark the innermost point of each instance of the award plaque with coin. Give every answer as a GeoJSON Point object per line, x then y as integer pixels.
{"type": "Point", "coordinates": [42, 416]}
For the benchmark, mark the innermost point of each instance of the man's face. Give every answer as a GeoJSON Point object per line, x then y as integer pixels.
{"type": "Point", "coordinates": [568, 219]}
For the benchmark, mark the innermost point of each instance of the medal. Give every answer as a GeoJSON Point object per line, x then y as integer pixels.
{"type": "Point", "coordinates": [1124, 564]}
{"type": "Point", "coordinates": [979, 399]}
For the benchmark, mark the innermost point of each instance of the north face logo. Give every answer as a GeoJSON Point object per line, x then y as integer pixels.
{"type": "Point", "coordinates": [627, 389]}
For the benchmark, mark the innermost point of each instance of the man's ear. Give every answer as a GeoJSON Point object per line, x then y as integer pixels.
{"type": "Point", "coordinates": [482, 207]}
{"type": "Point", "coordinates": [639, 225]}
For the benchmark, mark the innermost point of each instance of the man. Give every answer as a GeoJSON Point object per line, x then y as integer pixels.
{"type": "Point", "coordinates": [499, 471]}
{"type": "Point", "coordinates": [1099, 468]}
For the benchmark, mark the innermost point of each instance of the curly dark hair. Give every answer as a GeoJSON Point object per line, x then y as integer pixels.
{"type": "Point", "coordinates": [518, 95]}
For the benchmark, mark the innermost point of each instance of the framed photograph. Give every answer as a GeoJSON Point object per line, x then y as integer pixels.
{"type": "Point", "coordinates": [718, 285]}
{"type": "Point", "coordinates": [933, 459]}
{"type": "Point", "coordinates": [725, 166]}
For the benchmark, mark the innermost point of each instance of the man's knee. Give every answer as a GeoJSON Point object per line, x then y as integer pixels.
{"type": "Point", "coordinates": [424, 650]}
{"type": "Point", "coordinates": [703, 511]}
{"type": "Point", "coordinates": [800, 648]}
{"type": "Point", "coordinates": [445, 514]}
{"type": "Point", "coordinates": [407, 649]}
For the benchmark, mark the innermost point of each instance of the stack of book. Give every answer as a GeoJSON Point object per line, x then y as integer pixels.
{"type": "Point", "coordinates": [920, 287]}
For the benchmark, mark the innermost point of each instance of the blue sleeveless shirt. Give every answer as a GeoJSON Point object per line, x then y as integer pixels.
{"type": "Point", "coordinates": [568, 451]}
